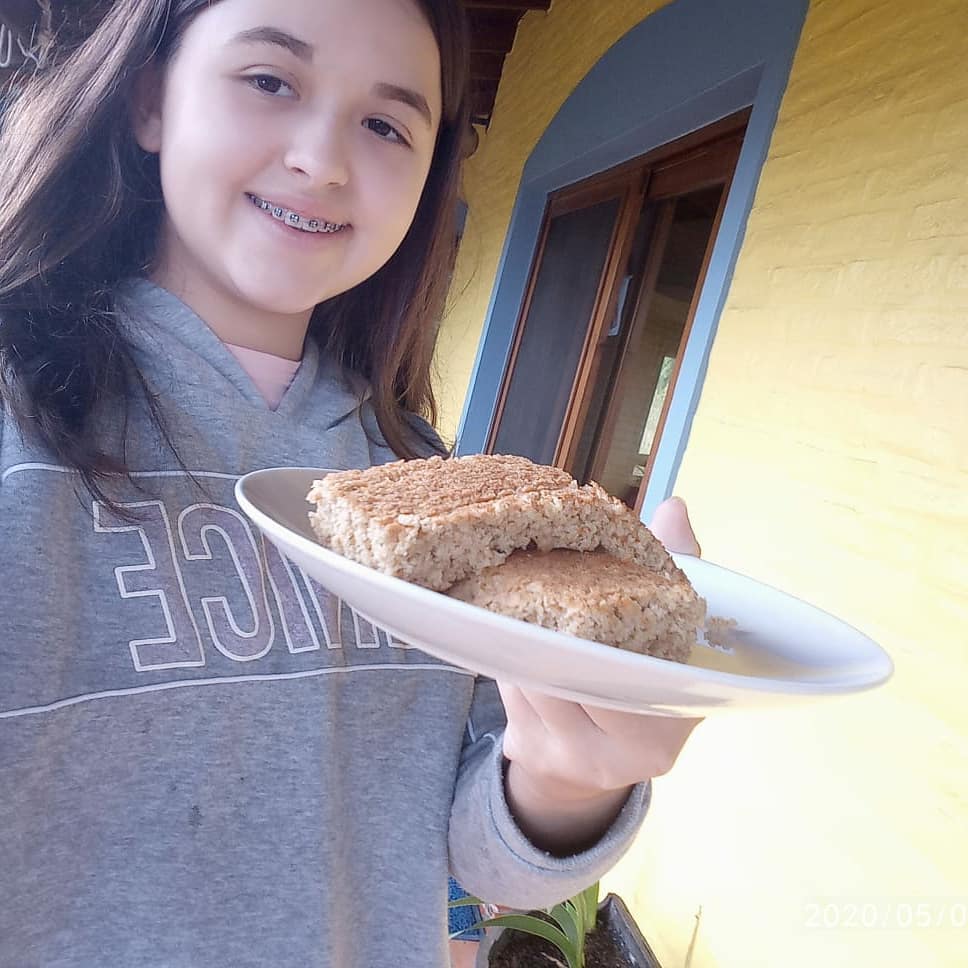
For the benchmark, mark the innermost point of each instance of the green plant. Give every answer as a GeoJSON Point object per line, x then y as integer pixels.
{"type": "Point", "coordinates": [569, 923]}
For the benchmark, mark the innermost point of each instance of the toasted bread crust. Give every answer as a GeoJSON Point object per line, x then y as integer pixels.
{"type": "Point", "coordinates": [435, 486]}
{"type": "Point", "coordinates": [436, 522]}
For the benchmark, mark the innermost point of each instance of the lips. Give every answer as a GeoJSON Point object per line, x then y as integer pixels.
{"type": "Point", "coordinates": [300, 220]}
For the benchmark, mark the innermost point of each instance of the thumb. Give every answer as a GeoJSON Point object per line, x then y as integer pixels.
{"type": "Point", "coordinates": [670, 524]}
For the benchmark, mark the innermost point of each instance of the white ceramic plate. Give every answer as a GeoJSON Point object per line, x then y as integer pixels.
{"type": "Point", "coordinates": [782, 651]}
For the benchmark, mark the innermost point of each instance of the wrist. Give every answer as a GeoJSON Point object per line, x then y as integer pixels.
{"type": "Point", "coordinates": [558, 790]}
{"type": "Point", "coordinates": [558, 815]}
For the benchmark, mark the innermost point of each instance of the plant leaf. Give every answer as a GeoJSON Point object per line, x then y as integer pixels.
{"type": "Point", "coordinates": [464, 902]}
{"type": "Point", "coordinates": [589, 906]}
{"type": "Point", "coordinates": [581, 909]}
{"type": "Point", "coordinates": [567, 917]}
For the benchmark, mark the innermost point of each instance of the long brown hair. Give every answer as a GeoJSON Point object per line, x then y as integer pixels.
{"type": "Point", "coordinates": [81, 209]}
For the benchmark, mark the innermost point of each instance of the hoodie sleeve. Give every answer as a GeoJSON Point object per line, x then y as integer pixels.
{"type": "Point", "coordinates": [489, 855]}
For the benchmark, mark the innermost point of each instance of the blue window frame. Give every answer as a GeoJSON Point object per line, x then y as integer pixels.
{"type": "Point", "coordinates": [684, 67]}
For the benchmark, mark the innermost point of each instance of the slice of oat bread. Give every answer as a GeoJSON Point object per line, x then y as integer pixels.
{"type": "Point", "coordinates": [593, 596]}
{"type": "Point", "coordinates": [435, 522]}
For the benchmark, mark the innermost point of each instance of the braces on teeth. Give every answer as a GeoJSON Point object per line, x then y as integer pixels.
{"type": "Point", "coordinates": [294, 218]}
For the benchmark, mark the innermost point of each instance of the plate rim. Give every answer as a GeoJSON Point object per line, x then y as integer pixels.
{"type": "Point", "coordinates": [682, 672]}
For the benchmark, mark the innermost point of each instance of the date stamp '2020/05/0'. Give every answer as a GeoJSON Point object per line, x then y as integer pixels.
{"type": "Point", "coordinates": [899, 914]}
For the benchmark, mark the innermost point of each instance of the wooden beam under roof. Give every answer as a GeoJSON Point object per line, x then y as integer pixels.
{"type": "Point", "coordinates": [522, 5]}
{"type": "Point", "coordinates": [493, 28]}
{"type": "Point", "coordinates": [487, 65]}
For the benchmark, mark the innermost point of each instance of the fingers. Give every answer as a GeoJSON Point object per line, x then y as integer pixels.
{"type": "Point", "coordinates": [536, 719]}
{"type": "Point", "coordinates": [555, 742]}
{"type": "Point", "coordinates": [589, 747]}
{"type": "Point", "coordinates": [525, 728]}
{"type": "Point", "coordinates": [517, 707]}
{"type": "Point", "coordinates": [671, 525]}
{"type": "Point", "coordinates": [622, 724]}
{"type": "Point", "coordinates": [560, 716]}
{"type": "Point", "coordinates": [654, 742]}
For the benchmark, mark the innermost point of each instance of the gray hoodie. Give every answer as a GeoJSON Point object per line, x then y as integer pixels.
{"type": "Point", "coordinates": [206, 759]}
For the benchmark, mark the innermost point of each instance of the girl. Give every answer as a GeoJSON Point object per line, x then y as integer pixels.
{"type": "Point", "coordinates": [226, 230]}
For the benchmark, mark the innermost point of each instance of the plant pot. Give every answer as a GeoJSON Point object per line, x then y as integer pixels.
{"type": "Point", "coordinates": [615, 943]}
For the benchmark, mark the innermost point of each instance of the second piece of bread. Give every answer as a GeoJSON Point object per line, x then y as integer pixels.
{"type": "Point", "coordinates": [593, 596]}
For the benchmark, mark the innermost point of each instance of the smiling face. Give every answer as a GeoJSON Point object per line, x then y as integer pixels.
{"type": "Point", "coordinates": [294, 139]}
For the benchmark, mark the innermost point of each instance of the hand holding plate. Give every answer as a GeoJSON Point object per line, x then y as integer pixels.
{"type": "Point", "coordinates": [571, 765]}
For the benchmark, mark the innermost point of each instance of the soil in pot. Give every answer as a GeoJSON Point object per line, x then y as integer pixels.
{"type": "Point", "coordinates": [526, 951]}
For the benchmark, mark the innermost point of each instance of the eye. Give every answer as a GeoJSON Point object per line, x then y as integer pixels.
{"type": "Point", "coordinates": [268, 83]}
{"type": "Point", "coordinates": [385, 130]}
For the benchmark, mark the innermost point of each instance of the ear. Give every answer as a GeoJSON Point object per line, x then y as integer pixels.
{"type": "Point", "coordinates": [146, 100]}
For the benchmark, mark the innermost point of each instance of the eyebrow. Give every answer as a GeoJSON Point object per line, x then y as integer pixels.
{"type": "Point", "coordinates": [277, 37]}
{"type": "Point", "coordinates": [305, 52]}
{"type": "Point", "coordinates": [393, 92]}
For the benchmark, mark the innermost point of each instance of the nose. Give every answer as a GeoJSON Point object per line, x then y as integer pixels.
{"type": "Point", "coordinates": [320, 151]}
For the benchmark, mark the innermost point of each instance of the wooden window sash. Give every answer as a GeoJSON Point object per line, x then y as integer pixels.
{"type": "Point", "coordinates": [656, 175]}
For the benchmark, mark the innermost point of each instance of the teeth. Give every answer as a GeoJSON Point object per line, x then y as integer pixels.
{"type": "Point", "coordinates": [294, 219]}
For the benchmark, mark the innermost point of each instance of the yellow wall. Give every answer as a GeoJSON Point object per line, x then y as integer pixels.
{"type": "Point", "coordinates": [829, 456]}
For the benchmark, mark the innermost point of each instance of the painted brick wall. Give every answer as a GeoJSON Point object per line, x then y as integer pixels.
{"type": "Point", "coordinates": [829, 456]}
